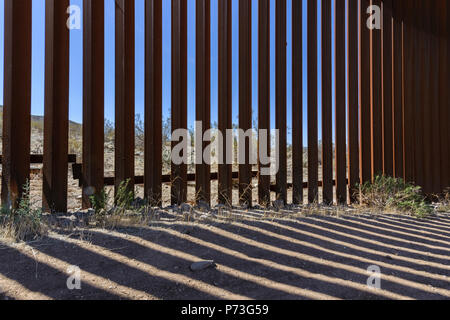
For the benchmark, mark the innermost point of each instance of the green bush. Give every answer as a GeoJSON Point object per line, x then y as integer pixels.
{"type": "Point", "coordinates": [444, 203]}
{"type": "Point", "coordinates": [99, 203]}
{"type": "Point", "coordinates": [112, 216]}
{"type": "Point", "coordinates": [395, 194]}
{"type": "Point", "coordinates": [24, 222]}
{"type": "Point", "coordinates": [124, 196]}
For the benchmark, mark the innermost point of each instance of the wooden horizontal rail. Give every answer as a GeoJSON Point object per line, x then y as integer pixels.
{"type": "Point", "coordinates": [39, 158]}
{"type": "Point", "coordinates": [139, 180]}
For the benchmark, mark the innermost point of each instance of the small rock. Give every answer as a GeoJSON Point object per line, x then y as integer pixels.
{"type": "Point", "coordinates": [203, 265]}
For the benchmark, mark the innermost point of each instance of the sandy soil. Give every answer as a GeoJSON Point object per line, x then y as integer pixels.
{"type": "Point", "coordinates": [257, 257]}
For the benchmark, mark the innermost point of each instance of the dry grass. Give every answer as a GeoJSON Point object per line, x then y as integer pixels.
{"type": "Point", "coordinates": [124, 212]}
{"type": "Point", "coordinates": [24, 223]}
{"type": "Point", "coordinates": [395, 195]}
{"type": "Point", "coordinates": [444, 202]}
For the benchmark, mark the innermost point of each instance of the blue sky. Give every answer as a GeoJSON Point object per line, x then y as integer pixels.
{"type": "Point", "coordinates": [76, 45]}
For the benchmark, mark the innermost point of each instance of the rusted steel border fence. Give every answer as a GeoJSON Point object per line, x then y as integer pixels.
{"type": "Point", "coordinates": [392, 110]}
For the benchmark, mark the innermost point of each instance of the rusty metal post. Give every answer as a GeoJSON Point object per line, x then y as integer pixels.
{"type": "Point", "coordinates": [203, 94]}
{"type": "Point", "coordinates": [153, 102]}
{"type": "Point", "coordinates": [56, 119]}
{"type": "Point", "coordinates": [125, 99]}
{"type": "Point", "coordinates": [425, 96]}
{"type": "Point", "coordinates": [93, 99]}
{"type": "Point", "coordinates": [280, 96]}
{"type": "Point", "coordinates": [264, 94]}
{"type": "Point", "coordinates": [352, 93]}
{"type": "Point", "coordinates": [364, 95]}
{"type": "Point", "coordinates": [327, 112]}
{"type": "Point", "coordinates": [17, 101]}
{"type": "Point", "coordinates": [443, 96]}
{"type": "Point", "coordinates": [245, 99]}
{"type": "Point", "coordinates": [413, 105]}
{"type": "Point", "coordinates": [297, 103]}
{"type": "Point", "coordinates": [340, 103]}
{"type": "Point", "coordinates": [179, 95]}
{"type": "Point", "coordinates": [412, 155]}
{"type": "Point", "coordinates": [397, 89]}
{"type": "Point", "coordinates": [434, 103]}
{"type": "Point", "coordinates": [313, 160]}
{"type": "Point", "coordinates": [376, 99]}
{"type": "Point", "coordinates": [447, 85]}
{"type": "Point", "coordinates": [225, 108]}
{"type": "Point", "coordinates": [387, 86]}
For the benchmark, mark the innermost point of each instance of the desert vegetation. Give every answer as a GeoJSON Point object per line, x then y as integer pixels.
{"type": "Point", "coordinates": [125, 207]}
{"type": "Point", "coordinates": [394, 194]}
{"type": "Point", "coordinates": [23, 223]}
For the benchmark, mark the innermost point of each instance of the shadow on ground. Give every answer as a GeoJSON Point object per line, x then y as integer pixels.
{"type": "Point", "coordinates": [315, 257]}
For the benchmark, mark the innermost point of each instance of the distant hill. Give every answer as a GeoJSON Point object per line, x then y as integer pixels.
{"type": "Point", "coordinates": [37, 123]}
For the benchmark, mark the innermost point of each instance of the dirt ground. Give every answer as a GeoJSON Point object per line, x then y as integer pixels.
{"type": "Point", "coordinates": [256, 257]}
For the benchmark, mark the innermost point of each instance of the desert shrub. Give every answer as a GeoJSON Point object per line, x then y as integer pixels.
{"type": "Point", "coordinates": [99, 203]}
{"type": "Point", "coordinates": [109, 131]}
{"type": "Point", "coordinates": [75, 146]}
{"type": "Point", "coordinates": [23, 223]}
{"type": "Point", "coordinates": [395, 194]}
{"type": "Point", "coordinates": [124, 207]}
{"type": "Point", "coordinates": [444, 202]}
{"type": "Point", "coordinates": [124, 197]}
{"type": "Point", "coordinates": [140, 138]}
{"type": "Point", "coordinates": [139, 126]}
{"type": "Point", "coordinates": [37, 125]}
